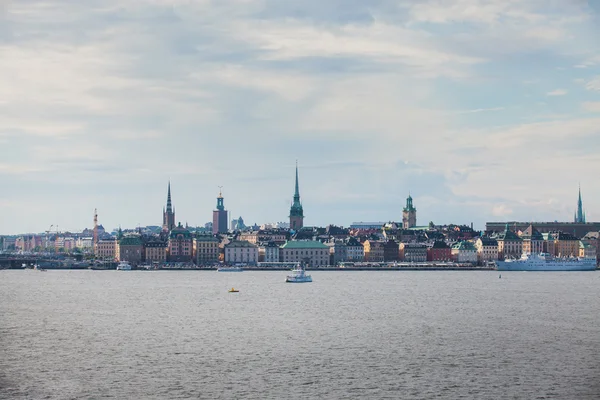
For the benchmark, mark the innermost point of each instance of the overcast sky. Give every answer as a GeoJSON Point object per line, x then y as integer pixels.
{"type": "Point", "coordinates": [482, 110]}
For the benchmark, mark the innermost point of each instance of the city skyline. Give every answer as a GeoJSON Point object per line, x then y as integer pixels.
{"type": "Point", "coordinates": [483, 113]}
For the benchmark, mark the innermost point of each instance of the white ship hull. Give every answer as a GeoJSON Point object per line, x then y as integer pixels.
{"type": "Point", "coordinates": [545, 262]}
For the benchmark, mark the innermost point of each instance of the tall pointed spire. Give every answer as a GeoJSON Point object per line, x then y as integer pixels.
{"type": "Point", "coordinates": [296, 211]}
{"type": "Point", "coordinates": [169, 213]}
{"type": "Point", "coordinates": [169, 205]}
{"type": "Point", "coordinates": [580, 216]}
{"type": "Point", "coordinates": [297, 191]}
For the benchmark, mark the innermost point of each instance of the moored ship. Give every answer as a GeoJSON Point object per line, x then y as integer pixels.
{"type": "Point", "coordinates": [547, 262]}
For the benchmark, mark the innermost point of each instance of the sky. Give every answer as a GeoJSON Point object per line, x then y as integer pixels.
{"type": "Point", "coordinates": [482, 110]}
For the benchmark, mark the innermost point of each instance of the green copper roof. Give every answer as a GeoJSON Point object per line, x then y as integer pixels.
{"type": "Point", "coordinates": [180, 230]}
{"type": "Point", "coordinates": [304, 244]}
{"type": "Point", "coordinates": [464, 246]}
{"type": "Point", "coordinates": [132, 240]}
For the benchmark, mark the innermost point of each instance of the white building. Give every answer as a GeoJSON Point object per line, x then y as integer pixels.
{"type": "Point", "coordinates": [355, 251]}
{"type": "Point", "coordinates": [315, 253]}
{"type": "Point", "coordinates": [241, 252]}
{"type": "Point", "coordinates": [464, 252]}
{"type": "Point", "coordinates": [271, 252]}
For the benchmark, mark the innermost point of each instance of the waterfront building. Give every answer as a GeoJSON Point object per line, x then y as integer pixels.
{"type": "Point", "coordinates": [509, 244]}
{"type": "Point", "coordinates": [241, 252]}
{"type": "Point", "coordinates": [355, 251]}
{"type": "Point", "coordinates": [311, 252]}
{"type": "Point", "coordinates": [592, 239]}
{"type": "Point", "coordinates": [374, 250]}
{"type": "Point", "coordinates": [391, 251]}
{"type": "Point", "coordinates": [338, 251]}
{"type": "Point", "coordinates": [533, 240]}
{"type": "Point", "coordinates": [131, 249]}
{"type": "Point", "coordinates": [296, 210]}
{"type": "Point", "coordinates": [439, 251]}
{"type": "Point", "coordinates": [168, 213]}
{"type": "Point", "coordinates": [409, 214]}
{"type": "Point", "coordinates": [108, 249]}
{"type": "Point", "coordinates": [464, 252]}
{"type": "Point", "coordinates": [586, 250]}
{"type": "Point", "coordinates": [561, 244]}
{"type": "Point", "coordinates": [219, 224]}
{"type": "Point", "coordinates": [206, 249]}
{"type": "Point", "coordinates": [156, 251]}
{"type": "Point", "coordinates": [579, 214]}
{"type": "Point", "coordinates": [413, 252]}
{"type": "Point", "coordinates": [270, 252]}
{"type": "Point", "coordinates": [487, 249]}
{"type": "Point", "coordinates": [181, 245]}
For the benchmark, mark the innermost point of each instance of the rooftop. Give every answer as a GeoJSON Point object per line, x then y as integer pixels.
{"type": "Point", "coordinates": [304, 244]}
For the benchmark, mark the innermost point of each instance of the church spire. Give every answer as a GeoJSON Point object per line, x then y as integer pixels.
{"type": "Point", "coordinates": [297, 192]}
{"type": "Point", "coordinates": [580, 216]}
{"type": "Point", "coordinates": [169, 205]}
{"type": "Point", "coordinates": [296, 211]}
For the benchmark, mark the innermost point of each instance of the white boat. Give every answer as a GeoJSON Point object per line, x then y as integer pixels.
{"type": "Point", "coordinates": [298, 276]}
{"type": "Point", "coordinates": [547, 262]}
{"type": "Point", "coordinates": [124, 266]}
{"type": "Point", "coordinates": [230, 269]}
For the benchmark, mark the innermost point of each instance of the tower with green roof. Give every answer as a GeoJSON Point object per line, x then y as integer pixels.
{"type": "Point", "coordinates": [409, 214]}
{"type": "Point", "coordinates": [296, 211]}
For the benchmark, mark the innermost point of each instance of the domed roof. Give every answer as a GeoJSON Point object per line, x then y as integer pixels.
{"type": "Point", "coordinates": [180, 230]}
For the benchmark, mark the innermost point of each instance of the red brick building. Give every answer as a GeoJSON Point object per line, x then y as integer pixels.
{"type": "Point", "coordinates": [440, 251]}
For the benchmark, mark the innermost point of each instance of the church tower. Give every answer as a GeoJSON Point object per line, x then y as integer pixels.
{"type": "Point", "coordinates": [579, 214]}
{"type": "Point", "coordinates": [296, 211]}
{"type": "Point", "coordinates": [169, 213]}
{"type": "Point", "coordinates": [220, 216]}
{"type": "Point", "coordinates": [409, 214]}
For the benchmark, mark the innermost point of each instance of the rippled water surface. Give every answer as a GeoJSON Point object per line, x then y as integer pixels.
{"type": "Point", "coordinates": [368, 335]}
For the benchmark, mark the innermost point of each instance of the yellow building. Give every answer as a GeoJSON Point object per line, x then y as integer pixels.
{"type": "Point", "coordinates": [487, 249]}
{"type": "Point", "coordinates": [156, 252]}
{"type": "Point", "coordinates": [374, 251]}
{"type": "Point", "coordinates": [206, 249]}
{"type": "Point", "coordinates": [533, 241]}
{"type": "Point", "coordinates": [108, 249]}
{"type": "Point", "coordinates": [562, 244]}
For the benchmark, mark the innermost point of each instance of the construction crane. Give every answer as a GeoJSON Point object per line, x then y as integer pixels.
{"type": "Point", "coordinates": [95, 243]}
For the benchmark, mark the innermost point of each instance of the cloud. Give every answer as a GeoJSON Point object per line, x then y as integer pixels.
{"type": "Point", "coordinates": [478, 110]}
{"type": "Point", "coordinates": [118, 97]}
{"type": "Point", "coordinates": [501, 210]}
{"type": "Point", "coordinates": [593, 84]}
{"type": "Point", "coordinates": [557, 92]}
{"type": "Point", "coordinates": [592, 106]}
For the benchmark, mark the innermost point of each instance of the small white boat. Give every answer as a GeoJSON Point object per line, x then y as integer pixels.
{"type": "Point", "coordinates": [298, 276]}
{"type": "Point", "coordinates": [38, 268]}
{"type": "Point", "coordinates": [124, 266]}
{"type": "Point", "coordinates": [230, 269]}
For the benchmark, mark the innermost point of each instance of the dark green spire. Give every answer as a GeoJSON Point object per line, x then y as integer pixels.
{"type": "Point", "coordinates": [580, 216]}
{"type": "Point", "coordinates": [296, 209]}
